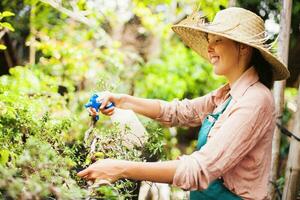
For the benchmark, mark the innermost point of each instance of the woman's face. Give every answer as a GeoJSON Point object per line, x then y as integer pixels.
{"type": "Point", "coordinates": [223, 53]}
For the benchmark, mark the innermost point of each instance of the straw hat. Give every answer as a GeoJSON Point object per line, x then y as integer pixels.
{"type": "Point", "coordinates": [234, 23]}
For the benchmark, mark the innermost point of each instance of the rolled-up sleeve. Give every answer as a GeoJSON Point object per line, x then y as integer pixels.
{"type": "Point", "coordinates": [245, 125]}
{"type": "Point", "coordinates": [186, 112]}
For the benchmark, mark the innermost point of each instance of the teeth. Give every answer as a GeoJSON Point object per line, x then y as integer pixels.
{"type": "Point", "coordinates": [214, 59]}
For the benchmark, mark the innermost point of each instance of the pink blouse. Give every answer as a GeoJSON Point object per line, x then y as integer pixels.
{"type": "Point", "coordinates": [239, 145]}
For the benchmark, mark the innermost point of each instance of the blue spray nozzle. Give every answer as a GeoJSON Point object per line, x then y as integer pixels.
{"type": "Point", "coordinates": [96, 104]}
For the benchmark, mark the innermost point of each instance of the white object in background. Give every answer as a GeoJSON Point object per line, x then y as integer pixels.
{"type": "Point", "coordinates": [137, 130]}
{"type": "Point", "coordinates": [136, 135]}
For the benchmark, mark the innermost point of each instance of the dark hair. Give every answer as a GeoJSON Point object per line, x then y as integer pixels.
{"type": "Point", "coordinates": [263, 68]}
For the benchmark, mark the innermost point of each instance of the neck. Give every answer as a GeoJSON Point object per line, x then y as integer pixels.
{"type": "Point", "coordinates": [232, 78]}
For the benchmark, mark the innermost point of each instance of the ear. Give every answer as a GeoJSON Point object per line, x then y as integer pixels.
{"type": "Point", "coordinates": [245, 49]}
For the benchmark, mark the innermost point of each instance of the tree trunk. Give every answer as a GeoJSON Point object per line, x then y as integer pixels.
{"type": "Point", "coordinates": [283, 47]}
{"type": "Point", "coordinates": [231, 3]}
{"type": "Point", "coordinates": [32, 49]}
{"type": "Point", "coordinates": [292, 174]}
{"type": "Point", "coordinates": [279, 102]}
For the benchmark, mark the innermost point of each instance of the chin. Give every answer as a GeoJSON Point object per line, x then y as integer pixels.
{"type": "Point", "coordinates": [217, 70]}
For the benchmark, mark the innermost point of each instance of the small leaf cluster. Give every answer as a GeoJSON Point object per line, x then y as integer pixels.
{"type": "Point", "coordinates": [5, 25]}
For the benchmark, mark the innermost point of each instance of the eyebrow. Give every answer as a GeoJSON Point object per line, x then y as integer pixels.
{"type": "Point", "coordinates": [215, 38]}
{"type": "Point", "coordinates": [211, 36]}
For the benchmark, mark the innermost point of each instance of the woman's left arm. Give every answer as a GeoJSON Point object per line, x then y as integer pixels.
{"type": "Point", "coordinates": [112, 170]}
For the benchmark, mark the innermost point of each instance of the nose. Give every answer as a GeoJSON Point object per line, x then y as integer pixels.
{"type": "Point", "coordinates": [210, 48]}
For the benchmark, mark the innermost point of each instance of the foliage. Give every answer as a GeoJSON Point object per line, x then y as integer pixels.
{"type": "Point", "coordinates": [154, 148]}
{"type": "Point", "coordinates": [189, 75]}
{"type": "Point", "coordinates": [22, 115]}
{"type": "Point", "coordinates": [112, 142]}
{"type": "Point", "coordinates": [34, 149]}
{"type": "Point", "coordinates": [38, 172]}
{"type": "Point", "coordinates": [33, 124]}
{"type": "Point", "coordinates": [5, 25]}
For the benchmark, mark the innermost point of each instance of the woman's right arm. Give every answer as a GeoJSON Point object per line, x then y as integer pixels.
{"type": "Point", "coordinates": [183, 113]}
{"type": "Point", "coordinates": [147, 107]}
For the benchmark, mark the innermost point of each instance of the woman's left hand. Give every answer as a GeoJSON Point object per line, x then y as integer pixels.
{"type": "Point", "coordinates": [107, 169]}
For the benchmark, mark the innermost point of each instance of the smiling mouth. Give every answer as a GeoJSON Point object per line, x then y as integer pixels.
{"type": "Point", "coordinates": [214, 59]}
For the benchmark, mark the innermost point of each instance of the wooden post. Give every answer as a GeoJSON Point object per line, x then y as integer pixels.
{"type": "Point", "coordinates": [292, 174]}
{"type": "Point", "coordinates": [283, 49]}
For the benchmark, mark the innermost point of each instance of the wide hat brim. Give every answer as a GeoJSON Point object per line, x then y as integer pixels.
{"type": "Point", "coordinates": [195, 38]}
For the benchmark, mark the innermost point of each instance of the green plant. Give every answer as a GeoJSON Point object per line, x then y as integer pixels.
{"type": "Point", "coordinates": [5, 25]}
{"type": "Point", "coordinates": [39, 172]}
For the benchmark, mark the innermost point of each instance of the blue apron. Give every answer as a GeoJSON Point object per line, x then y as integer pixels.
{"type": "Point", "coordinates": [216, 189]}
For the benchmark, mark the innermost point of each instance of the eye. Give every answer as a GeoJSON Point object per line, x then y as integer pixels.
{"type": "Point", "coordinates": [214, 40]}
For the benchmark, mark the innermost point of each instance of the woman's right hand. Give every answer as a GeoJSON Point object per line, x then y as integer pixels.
{"type": "Point", "coordinates": [105, 98]}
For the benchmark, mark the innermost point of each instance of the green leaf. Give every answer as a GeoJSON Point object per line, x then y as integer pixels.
{"type": "Point", "coordinates": [7, 14]}
{"type": "Point", "coordinates": [2, 47]}
{"type": "Point", "coordinates": [7, 25]}
{"type": "Point", "coordinates": [4, 155]}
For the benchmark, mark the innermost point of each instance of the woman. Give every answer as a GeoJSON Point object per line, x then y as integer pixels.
{"type": "Point", "coordinates": [233, 155]}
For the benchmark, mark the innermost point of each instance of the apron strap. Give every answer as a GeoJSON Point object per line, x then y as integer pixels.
{"type": "Point", "coordinates": [225, 104]}
{"type": "Point", "coordinates": [208, 123]}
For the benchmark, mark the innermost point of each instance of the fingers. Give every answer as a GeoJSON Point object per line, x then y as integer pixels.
{"type": "Point", "coordinates": [84, 173]}
{"type": "Point", "coordinates": [91, 176]}
{"type": "Point", "coordinates": [104, 103]}
{"type": "Point", "coordinates": [106, 98]}
{"type": "Point", "coordinates": [90, 172]}
{"type": "Point", "coordinates": [97, 179]}
{"type": "Point", "coordinates": [87, 174]}
{"type": "Point", "coordinates": [102, 170]}
{"type": "Point", "coordinates": [111, 113]}
{"type": "Point", "coordinates": [108, 111]}
{"type": "Point", "coordinates": [92, 111]}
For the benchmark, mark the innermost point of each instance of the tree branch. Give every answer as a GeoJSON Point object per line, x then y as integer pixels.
{"type": "Point", "coordinates": [74, 15]}
{"type": "Point", "coordinates": [80, 17]}
{"type": "Point", "coordinates": [3, 32]}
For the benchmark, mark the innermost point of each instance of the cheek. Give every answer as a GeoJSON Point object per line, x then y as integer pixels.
{"type": "Point", "coordinates": [228, 60]}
